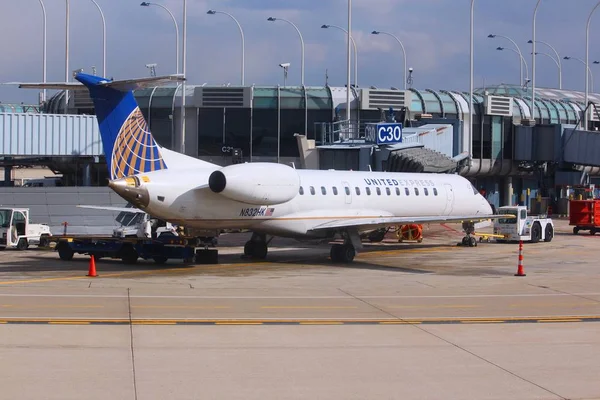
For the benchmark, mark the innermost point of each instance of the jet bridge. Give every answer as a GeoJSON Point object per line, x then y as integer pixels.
{"type": "Point", "coordinates": [429, 148]}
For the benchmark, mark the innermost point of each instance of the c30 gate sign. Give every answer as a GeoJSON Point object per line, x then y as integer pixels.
{"type": "Point", "coordinates": [383, 133]}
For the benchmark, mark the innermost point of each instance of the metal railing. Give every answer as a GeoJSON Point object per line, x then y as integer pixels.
{"type": "Point", "coordinates": [340, 131]}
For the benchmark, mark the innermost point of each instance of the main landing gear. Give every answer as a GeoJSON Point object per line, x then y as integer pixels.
{"type": "Point", "coordinates": [345, 253]}
{"type": "Point", "coordinates": [468, 240]}
{"type": "Point", "coordinates": [257, 247]}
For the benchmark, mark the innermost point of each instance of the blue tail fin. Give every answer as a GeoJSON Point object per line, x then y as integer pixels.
{"type": "Point", "coordinates": [128, 144]}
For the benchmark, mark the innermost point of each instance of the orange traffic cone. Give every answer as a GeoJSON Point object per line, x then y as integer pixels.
{"type": "Point", "coordinates": [92, 270]}
{"type": "Point", "coordinates": [520, 269]}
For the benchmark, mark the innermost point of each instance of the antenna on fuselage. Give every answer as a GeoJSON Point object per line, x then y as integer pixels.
{"type": "Point", "coordinates": [370, 169]}
{"type": "Point", "coordinates": [293, 165]}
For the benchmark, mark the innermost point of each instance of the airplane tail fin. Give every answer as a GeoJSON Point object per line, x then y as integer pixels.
{"type": "Point", "coordinates": [128, 144]}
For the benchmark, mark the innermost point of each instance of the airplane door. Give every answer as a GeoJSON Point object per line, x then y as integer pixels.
{"type": "Point", "coordinates": [449, 199]}
{"type": "Point", "coordinates": [347, 192]}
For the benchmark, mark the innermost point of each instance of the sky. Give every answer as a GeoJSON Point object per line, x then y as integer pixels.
{"type": "Point", "coordinates": [435, 34]}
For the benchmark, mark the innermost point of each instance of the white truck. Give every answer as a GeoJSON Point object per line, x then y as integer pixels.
{"type": "Point", "coordinates": [520, 226]}
{"type": "Point", "coordinates": [141, 225]}
{"type": "Point", "coordinates": [17, 232]}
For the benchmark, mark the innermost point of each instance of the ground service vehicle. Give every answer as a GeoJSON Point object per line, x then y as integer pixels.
{"type": "Point", "coordinates": [584, 215]}
{"type": "Point", "coordinates": [17, 232]}
{"type": "Point", "coordinates": [520, 226]}
{"type": "Point", "coordinates": [129, 250]}
{"type": "Point", "coordinates": [139, 224]}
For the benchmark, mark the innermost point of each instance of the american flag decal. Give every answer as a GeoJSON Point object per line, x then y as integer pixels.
{"type": "Point", "coordinates": [269, 212]}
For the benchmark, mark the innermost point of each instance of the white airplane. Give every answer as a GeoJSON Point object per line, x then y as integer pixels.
{"type": "Point", "coordinates": [266, 198]}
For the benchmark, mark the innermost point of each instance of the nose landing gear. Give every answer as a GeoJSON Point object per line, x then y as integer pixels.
{"type": "Point", "coordinates": [468, 240]}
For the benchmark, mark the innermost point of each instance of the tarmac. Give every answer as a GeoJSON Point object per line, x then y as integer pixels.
{"type": "Point", "coordinates": [427, 320]}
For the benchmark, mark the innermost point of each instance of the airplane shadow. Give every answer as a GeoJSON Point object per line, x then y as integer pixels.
{"type": "Point", "coordinates": [294, 257]}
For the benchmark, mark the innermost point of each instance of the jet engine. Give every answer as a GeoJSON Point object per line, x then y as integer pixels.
{"type": "Point", "coordinates": [256, 183]}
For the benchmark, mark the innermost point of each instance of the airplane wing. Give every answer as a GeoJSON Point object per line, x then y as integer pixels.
{"type": "Point", "coordinates": [109, 208]}
{"type": "Point", "coordinates": [369, 223]}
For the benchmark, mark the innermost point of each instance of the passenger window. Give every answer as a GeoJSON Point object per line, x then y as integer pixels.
{"type": "Point", "coordinates": [357, 191]}
{"type": "Point", "coordinates": [323, 190]}
{"type": "Point", "coordinates": [301, 191]}
{"type": "Point", "coordinates": [397, 191]}
{"type": "Point", "coordinates": [416, 192]}
{"type": "Point", "coordinates": [407, 191]}
{"type": "Point", "coordinates": [347, 190]}
{"type": "Point", "coordinates": [388, 191]}
{"type": "Point", "coordinates": [312, 190]}
{"type": "Point", "coordinates": [426, 192]}
{"type": "Point", "coordinates": [434, 191]}
{"type": "Point", "coordinates": [378, 191]}
{"type": "Point", "coordinates": [335, 192]}
{"type": "Point", "coordinates": [368, 190]}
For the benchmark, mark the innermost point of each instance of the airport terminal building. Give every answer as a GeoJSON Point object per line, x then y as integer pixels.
{"type": "Point", "coordinates": [515, 151]}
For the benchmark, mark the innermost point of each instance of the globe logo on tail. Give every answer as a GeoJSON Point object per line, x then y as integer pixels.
{"type": "Point", "coordinates": [135, 150]}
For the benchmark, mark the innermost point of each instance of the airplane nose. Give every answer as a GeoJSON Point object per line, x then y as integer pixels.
{"type": "Point", "coordinates": [131, 190]}
{"type": "Point", "coordinates": [486, 207]}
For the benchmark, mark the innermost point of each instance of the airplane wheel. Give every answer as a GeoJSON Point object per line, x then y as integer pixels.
{"type": "Point", "coordinates": [347, 253]}
{"type": "Point", "coordinates": [260, 250]}
{"type": "Point", "coordinates": [472, 242]}
{"type": "Point", "coordinates": [335, 253]}
{"type": "Point", "coordinates": [249, 248]}
{"type": "Point", "coordinates": [465, 241]}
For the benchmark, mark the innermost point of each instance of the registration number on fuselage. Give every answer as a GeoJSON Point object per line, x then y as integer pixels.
{"type": "Point", "coordinates": [256, 212]}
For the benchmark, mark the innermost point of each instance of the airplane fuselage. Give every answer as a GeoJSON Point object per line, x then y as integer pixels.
{"type": "Point", "coordinates": [322, 196]}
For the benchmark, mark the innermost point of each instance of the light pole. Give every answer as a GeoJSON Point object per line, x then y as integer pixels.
{"type": "Point", "coordinates": [587, 61]}
{"type": "Point", "coordinates": [537, 4]}
{"type": "Point", "coordinates": [557, 60]}
{"type": "Point", "coordinates": [521, 61]}
{"type": "Point", "coordinates": [348, 114]}
{"type": "Point", "coordinates": [103, 38]}
{"type": "Point", "coordinates": [470, 138]}
{"type": "Point", "coordinates": [272, 19]}
{"type": "Point", "coordinates": [588, 69]}
{"type": "Point", "coordinates": [401, 46]}
{"type": "Point", "coordinates": [67, 76]}
{"type": "Point", "coordinates": [213, 12]}
{"type": "Point", "coordinates": [491, 36]}
{"type": "Point", "coordinates": [147, 4]}
{"type": "Point", "coordinates": [43, 49]}
{"type": "Point", "coordinates": [355, 51]}
{"type": "Point", "coordinates": [183, 62]}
